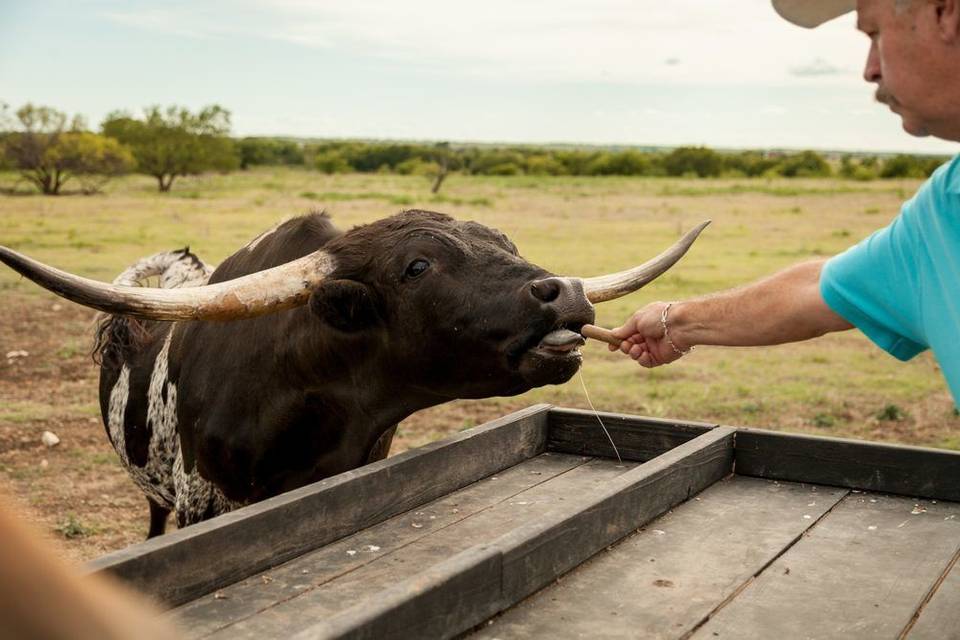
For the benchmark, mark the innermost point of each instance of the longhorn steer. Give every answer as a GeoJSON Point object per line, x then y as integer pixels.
{"type": "Point", "coordinates": [326, 341]}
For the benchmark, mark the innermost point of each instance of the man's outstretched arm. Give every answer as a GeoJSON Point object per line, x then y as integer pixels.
{"type": "Point", "coordinates": [786, 307]}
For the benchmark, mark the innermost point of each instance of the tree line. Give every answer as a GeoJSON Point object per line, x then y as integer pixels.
{"type": "Point", "coordinates": [48, 149]}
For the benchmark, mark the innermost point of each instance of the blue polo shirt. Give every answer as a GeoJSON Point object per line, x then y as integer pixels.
{"type": "Point", "coordinates": [901, 285]}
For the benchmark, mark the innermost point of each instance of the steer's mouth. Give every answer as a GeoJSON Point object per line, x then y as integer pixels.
{"type": "Point", "coordinates": [551, 358]}
{"type": "Point", "coordinates": [560, 343]}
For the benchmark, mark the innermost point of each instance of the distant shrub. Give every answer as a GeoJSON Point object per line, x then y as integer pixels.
{"type": "Point", "coordinates": [823, 420]}
{"type": "Point", "coordinates": [907, 166]}
{"type": "Point", "coordinates": [417, 167]}
{"type": "Point", "coordinates": [543, 164]}
{"type": "Point", "coordinates": [891, 413]}
{"type": "Point", "coordinates": [698, 161]}
{"type": "Point", "coordinates": [331, 162]}
{"type": "Point", "coordinates": [269, 151]}
{"type": "Point", "coordinates": [504, 169]}
{"type": "Point", "coordinates": [806, 164]}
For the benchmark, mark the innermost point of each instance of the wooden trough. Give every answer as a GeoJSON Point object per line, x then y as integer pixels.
{"type": "Point", "coordinates": [529, 527]}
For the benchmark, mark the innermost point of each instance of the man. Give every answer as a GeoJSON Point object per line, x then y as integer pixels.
{"type": "Point", "coordinates": [900, 286]}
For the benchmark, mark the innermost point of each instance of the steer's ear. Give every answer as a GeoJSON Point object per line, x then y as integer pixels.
{"type": "Point", "coordinates": [346, 305]}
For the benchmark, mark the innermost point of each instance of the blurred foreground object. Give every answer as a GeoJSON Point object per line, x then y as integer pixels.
{"type": "Point", "coordinates": [41, 597]}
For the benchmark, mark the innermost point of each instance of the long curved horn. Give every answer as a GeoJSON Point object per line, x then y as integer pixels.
{"type": "Point", "coordinates": [616, 285]}
{"type": "Point", "coordinates": [282, 287]}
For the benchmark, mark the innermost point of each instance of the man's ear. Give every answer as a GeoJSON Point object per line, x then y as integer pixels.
{"type": "Point", "coordinates": [948, 19]}
{"type": "Point", "coordinates": [346, 305]}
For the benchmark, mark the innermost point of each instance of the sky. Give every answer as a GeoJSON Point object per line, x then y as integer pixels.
{"type": "Point", "coordinates": [723, 73]}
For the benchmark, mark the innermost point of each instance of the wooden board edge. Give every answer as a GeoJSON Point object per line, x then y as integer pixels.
{"type": "Point", "coordinates": [560, 413]}
{"type": "Point", "coordinates": [185, 564]}
{"type": "Point", "coordinates": [468, 588]}
{"type": "Point", "coordinates": [854, 464]}
{"type": "Point", "coordinates": [635, 438]}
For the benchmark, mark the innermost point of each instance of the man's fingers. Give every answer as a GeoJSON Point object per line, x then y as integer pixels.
{"type": "Point", "coordinates": [647, 360]}
{"type": "Point", "coordinates": [625, 331]}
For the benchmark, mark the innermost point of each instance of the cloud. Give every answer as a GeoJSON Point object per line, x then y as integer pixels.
{"type": "Point", "coordinates": [611, 41]}
{"type": "Point", "coordinates": [818, 67]}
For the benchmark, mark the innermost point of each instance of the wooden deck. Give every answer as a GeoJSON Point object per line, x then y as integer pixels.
{"type": "Point", "coordinates": [751, 558]}
{"type": "Point", "coordinates": [528, 528]}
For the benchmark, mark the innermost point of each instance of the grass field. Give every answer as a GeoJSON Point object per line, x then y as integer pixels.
{"type": "Point", "coordinates": [839, 385]}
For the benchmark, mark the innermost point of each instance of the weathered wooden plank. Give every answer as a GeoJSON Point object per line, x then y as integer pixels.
{"type": "Point", "coordinates": [940, 618]}
{"type": "Point", "coordinates": [665, 580]}
{"type": "Point", "coordinates": [245, 599]}
{"type": "Point", "coordinates": [641, 439]}
{"type": "Point", "coordinates": [188, 563]}
{"type": "Point", "coordinates": [861, 572]}
{"type": "Point", "coordinates": [537, 552]}
{"type": "Point", "coordinates": [407, 563]}
{"type": "Point", "coordinates": [886, 468]}
{"type": "Point", "coordinates": [429, 606]}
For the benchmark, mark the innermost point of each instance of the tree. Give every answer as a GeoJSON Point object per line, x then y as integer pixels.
{"type": "Point", "coordinates": [903, 166]}
{"type": "Point", "coordinates": [331, 161]}
{"type": "Point", "coordinates": [94, 159]}
{"type": "Point", "coordinates": [700, 161]}
{"type": "Point", "coordinates": [443, 157]}
{"type": "Point", "coordinates": [621, 163]}
{"type": "Point", "coordinates": [269, 151]}
{"type": "Point", "coordinates": [175, 142]}
{"type": "Point", "coordinates": [48, 153]}
{"type": "Point", "coordinates": [806, 164]}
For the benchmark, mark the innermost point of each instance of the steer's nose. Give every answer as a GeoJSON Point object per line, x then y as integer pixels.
{"type": "Point", "coordinates": [547, 290]}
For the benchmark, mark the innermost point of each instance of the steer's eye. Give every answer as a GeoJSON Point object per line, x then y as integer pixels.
{"type": "Point", "coordinates": [416, 268]}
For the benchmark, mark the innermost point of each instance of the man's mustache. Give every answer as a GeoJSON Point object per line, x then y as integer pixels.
{"type": "Point", "coordinates": [885, 97]}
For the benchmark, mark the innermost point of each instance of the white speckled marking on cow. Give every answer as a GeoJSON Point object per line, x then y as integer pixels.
{"type": "Point", "coordinates": [163, 478]}
{"type": "Point", "coordinates": [175, 269]}
{"type": "Point", "coordinates": [119, 396]}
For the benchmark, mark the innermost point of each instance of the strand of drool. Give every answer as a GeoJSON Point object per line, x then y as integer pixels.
{"type": "Point", "coordinates": [597, 414]}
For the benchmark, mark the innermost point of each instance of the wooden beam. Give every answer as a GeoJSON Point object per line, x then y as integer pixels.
{"type": "Point", "coordinates": [887, 468]}
{"type": "Point", "coordinates": [473, 585]}
{"type": "Point", "coordinates": [640, 439]}
{"type": "Point", "coordinates": [193, 561]}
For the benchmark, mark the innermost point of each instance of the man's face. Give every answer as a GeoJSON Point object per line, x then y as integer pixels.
{"type": "Point", "coordinates": [914, 61]}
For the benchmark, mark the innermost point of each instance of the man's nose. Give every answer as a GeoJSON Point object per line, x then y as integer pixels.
{"type": "Point", "coordinates": [871, 72]}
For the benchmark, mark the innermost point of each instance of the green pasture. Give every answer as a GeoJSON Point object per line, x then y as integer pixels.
{"type": "Point", "coordinates": [838, 385]}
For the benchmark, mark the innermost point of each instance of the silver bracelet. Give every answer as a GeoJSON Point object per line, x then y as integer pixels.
{"type": "Point", "coordinates": [666, 332]}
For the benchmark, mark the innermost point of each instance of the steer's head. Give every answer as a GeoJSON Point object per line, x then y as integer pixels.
{"type": "Point", "coordinates": [451, 305]}
{"type": "Point", "coordinates": [460, 313]}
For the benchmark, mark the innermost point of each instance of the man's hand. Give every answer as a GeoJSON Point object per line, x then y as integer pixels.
{"type": "Point", "coordinates": [643, 337]}
{"type": "Point", "coordinates": [786, 307]}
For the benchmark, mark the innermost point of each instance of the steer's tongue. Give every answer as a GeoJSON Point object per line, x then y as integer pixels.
{"type": "Point", "coordinates": [561, 340]}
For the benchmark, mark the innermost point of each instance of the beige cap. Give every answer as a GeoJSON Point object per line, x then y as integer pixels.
{"type": "Point", "coordinates": [813, 13]}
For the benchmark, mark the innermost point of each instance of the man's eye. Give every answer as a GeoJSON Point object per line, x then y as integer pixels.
{"type": "Point", "coordinates": [416, 268]}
